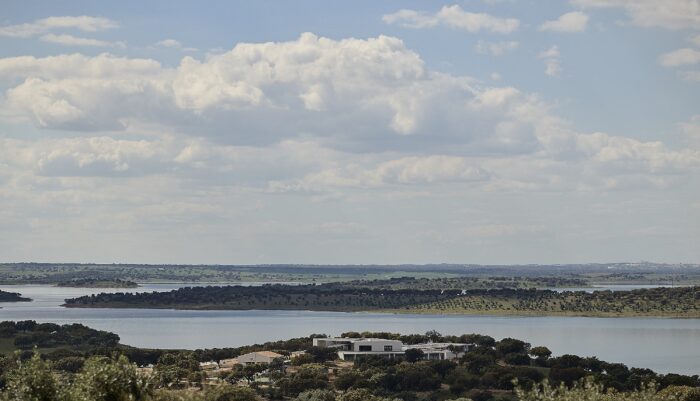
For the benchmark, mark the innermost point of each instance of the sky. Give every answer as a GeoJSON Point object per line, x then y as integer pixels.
{"type": "Point", "coordinates": [363, 132]}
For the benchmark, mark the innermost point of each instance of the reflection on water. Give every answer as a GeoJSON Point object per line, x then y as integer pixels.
{"type": "Point", "coordinates": [665, 345]}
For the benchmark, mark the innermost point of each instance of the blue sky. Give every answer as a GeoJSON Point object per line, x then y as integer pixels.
{"type": "Point", "coordinates": [499, 131]}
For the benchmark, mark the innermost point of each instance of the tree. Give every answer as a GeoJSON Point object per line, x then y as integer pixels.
{"type": "Point", "coordinates": [511, 345]}
{"type": "Point", "coordinates": [173, 368]}
{"type": "Point", "coordinates": [460, 380]}
{"type": "Point", "coordinates": [541, 353]}
{"type": "Point", "coordinates": [32, 381]}
{"type": "Point", "coordinates": [107, 379]}
{"type": "Point", "coordinates": [361, 395]}
{"type": "Point", "coordinates": [230, 393]}
{"type": "Point", "coordinates": [71, 364]}
{"type": "Point", "coordinates": [347, 379]}
{"type": "Point", "coordinates": [308, 377]}
{"type": "Point", "coordinates": [316, 395]}
{"type": "Point", "coordinates": [413, 355]}
{"type": "Point", "coordinates": [517, 358]}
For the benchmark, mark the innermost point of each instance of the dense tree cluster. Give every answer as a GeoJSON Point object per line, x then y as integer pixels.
{"type": "Point", "coordinates": [330, 297]}
{"type": "Point", "coordinates": [91, 282]}
{"type": "Point", "coordinates": [28, 334]}
{"type": "Point", "coordinates": [12, 297]}
{"type": "Point", "coordinates": [680, 301]}
{"type": "Point", "coordinates": [672, 302]}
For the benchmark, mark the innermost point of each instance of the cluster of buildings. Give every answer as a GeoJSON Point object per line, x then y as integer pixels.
{"type": "Point", "coordinates": [350, 349]}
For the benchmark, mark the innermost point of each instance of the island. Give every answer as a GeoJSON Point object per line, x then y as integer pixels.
{"type": "Point", "coordinates": [97, 283]}
{"type": "Point", "coordinates": [678, 302]}
{"type": "Point", "coordinates": [12, 297]}
{"type": "Point", "coordinates": [72, 362]}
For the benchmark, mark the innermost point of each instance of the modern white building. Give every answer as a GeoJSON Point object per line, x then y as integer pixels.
{"type": "Point", "coordinates": [350, 349]}
{"type": "Point", "coordinates": [440, 351]}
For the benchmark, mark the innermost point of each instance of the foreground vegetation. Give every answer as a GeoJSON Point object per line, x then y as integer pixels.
{"type": "Point", "coordinates": [681, 302]}
{"type": "Point", "coordinates": [78, 369]}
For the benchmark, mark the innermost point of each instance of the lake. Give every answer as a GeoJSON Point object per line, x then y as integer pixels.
{"type": "Point", "coordinates": [664, 345]}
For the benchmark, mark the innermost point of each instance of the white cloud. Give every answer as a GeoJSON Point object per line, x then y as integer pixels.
{"type": "Point", "coordinates": [453, 17]}
{"type": "Point", "coordinates": [403, 171]}
{"type": "Point", "coordinates": [174, 44]}
{"type": "Point", "coordinates": [574, 21]}
{"type": "Point", "coordinates": [691, 131]}
{"type": "Point", "coordinates": [83, 23]}
{"type": "Point", "coordinates": [170, 43]}
{"type": "Point", "coordinates": [77, 66]}
{"type": "Point", "coordinates": [669, 14]}
{"type": "Point", "coordinates": [695, 40]}
{"type": "Point", "coordinates": [496, 48]}
{"type": "Point", "coordinates": [70, 40]}
{"type": "Point", "coordinates": [680, 57]}
{"type": "Point", "coordinates": [552, 61]}
{"type": "Point", "coordinates": [313, 114]}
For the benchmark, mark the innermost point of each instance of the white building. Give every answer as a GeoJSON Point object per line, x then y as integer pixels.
{"type": "Point", "coordinates": [440, 351]}
{"type": "Point", "coordinates": [350, 349]}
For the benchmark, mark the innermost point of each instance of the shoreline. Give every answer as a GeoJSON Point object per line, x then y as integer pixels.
{"type": "Point", "coordinates": [494, 313]}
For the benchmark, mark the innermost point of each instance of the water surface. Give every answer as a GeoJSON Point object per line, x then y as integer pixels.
{"type": "Point", "coordinates": [664, 345]}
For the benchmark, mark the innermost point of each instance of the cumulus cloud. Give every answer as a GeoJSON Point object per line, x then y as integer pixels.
{"type": "Point", "coordinates": [77, 66]}
{"type": "Point", "coordinates": [669, 14]}
{"type": "Point", "coordinates": [70, 40]}
{"type": "Point", "coordinates": [316, 115]}
{"type": "Point", "coordinates": [453, 17]}
{"type": "Point", "coordinates": [552, 61]}
{"type": "Point", "coordinates": [680, 57]}
{"type": "Point", "coordinates": [574, 21]}
{"type": "Point", "coordinates": [496, 48]}
{"type": "Point", "coordinates": [83, 23]}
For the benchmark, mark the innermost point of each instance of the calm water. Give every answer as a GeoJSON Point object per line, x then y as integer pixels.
{"type": "Point", "coordinates": [664, 345]}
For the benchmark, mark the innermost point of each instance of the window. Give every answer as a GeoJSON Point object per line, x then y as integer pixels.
{"type": "Point", "coordinates": [388, 348]}
{"type": "Point", "coordinates": [365, 348]}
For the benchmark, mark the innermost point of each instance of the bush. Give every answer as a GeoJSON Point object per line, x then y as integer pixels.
{"type": "Point", "coordinates": [32, 381]}
{"type": "Point", "coordinates": [229, 393]}
{"type": "Point", "coordinates": [106, 379]}
{"type": "Point", "coordinates": [316, 395]}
